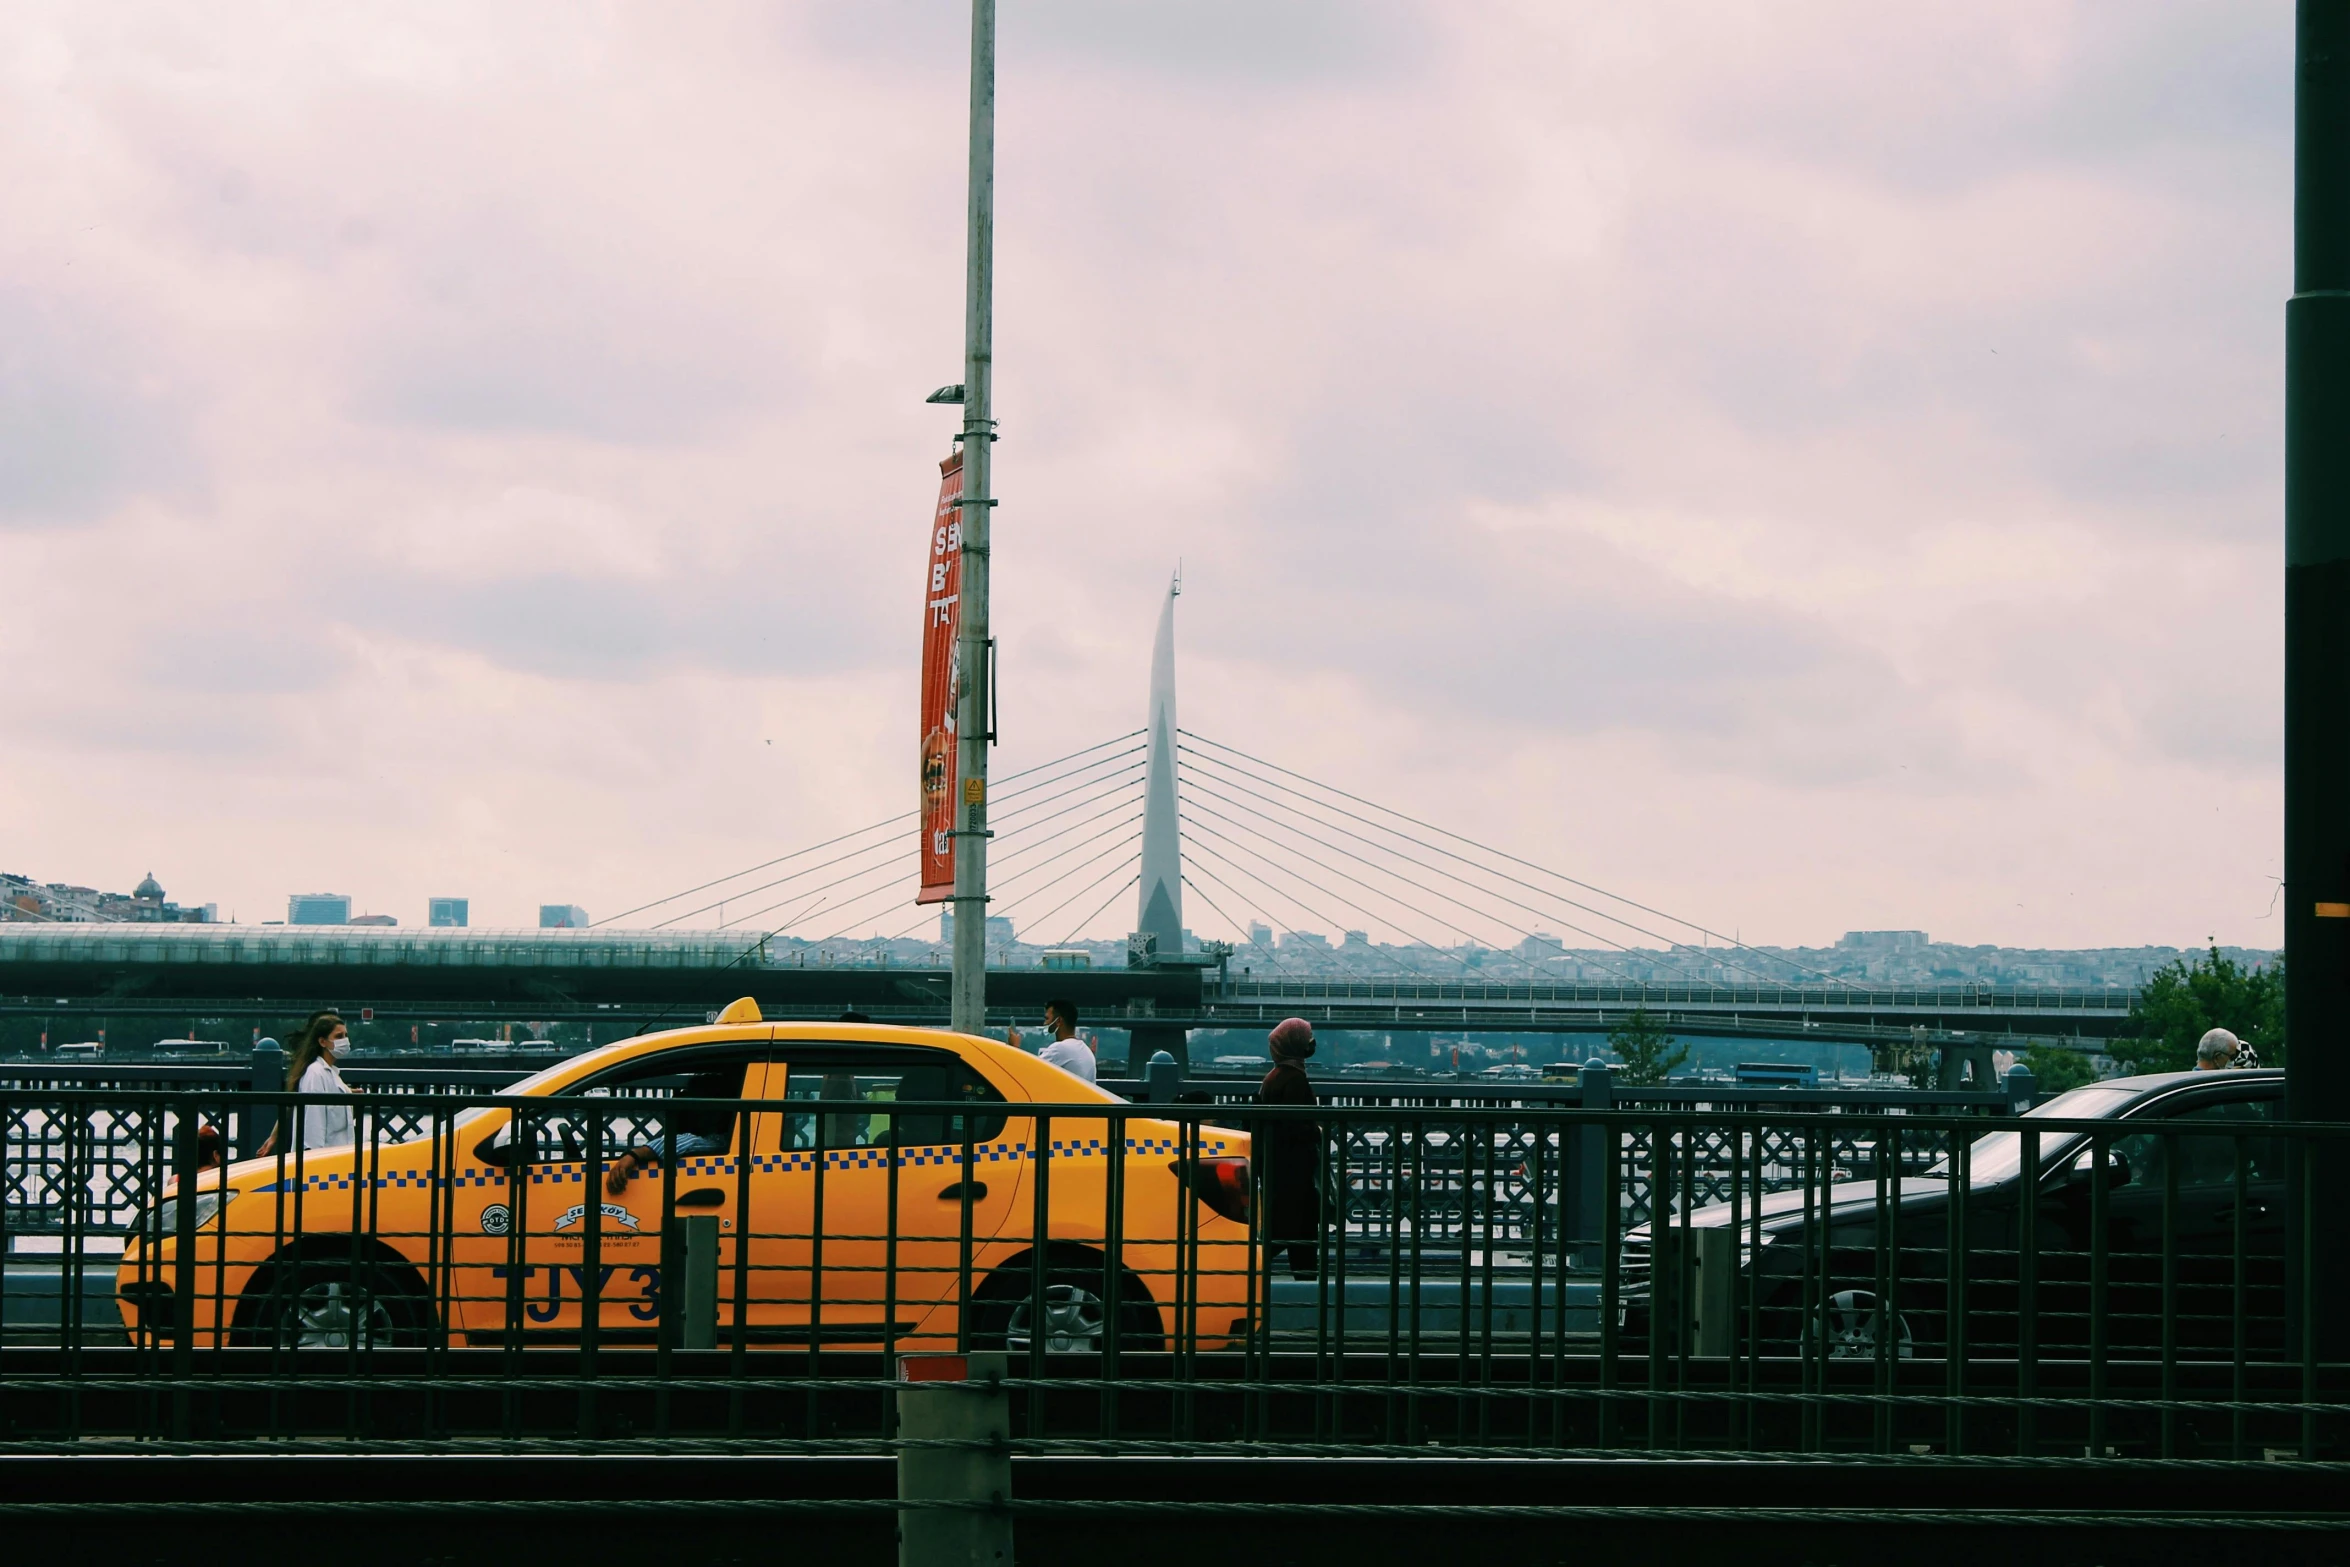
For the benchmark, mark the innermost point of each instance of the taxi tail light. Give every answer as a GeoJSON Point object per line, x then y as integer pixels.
{"type": "Point", "coordinates": [1221, 1183]}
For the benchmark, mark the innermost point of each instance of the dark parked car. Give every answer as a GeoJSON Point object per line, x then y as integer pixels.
{"type": "Point", "coordinates": [2187, 1156]}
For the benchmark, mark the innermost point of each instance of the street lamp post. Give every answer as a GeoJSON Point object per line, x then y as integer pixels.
{"type": "Point", "coordinates": [967, 1001]}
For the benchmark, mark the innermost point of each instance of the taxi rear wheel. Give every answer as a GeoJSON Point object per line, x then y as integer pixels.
{"type": "Point", "coordinates": [331, 1305]}
{"type": "Point", "coordinates": [1076, 1316]}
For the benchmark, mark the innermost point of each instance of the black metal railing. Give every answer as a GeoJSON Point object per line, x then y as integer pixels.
{"type": "Point", "coordinates": [1675, 1274]}
{"type": "Point", "coordinates": [33, 1148]}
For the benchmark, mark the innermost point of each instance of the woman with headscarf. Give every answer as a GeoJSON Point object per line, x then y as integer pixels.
{"type": "Point", "coordinates": [1291, 1149]}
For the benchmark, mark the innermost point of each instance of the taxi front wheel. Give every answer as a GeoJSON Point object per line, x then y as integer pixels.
{"type": "Point", "coordinates": [1076, 1316]}
{"type": "Point", "coordinates": [331, 1305]}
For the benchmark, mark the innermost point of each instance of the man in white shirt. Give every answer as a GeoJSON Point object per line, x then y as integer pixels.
{"type": "Point", "coordinates": [1067, 1051]}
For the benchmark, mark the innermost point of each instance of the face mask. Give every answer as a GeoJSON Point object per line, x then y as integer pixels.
{"type": "Point", "coordinates": [340, 1048]}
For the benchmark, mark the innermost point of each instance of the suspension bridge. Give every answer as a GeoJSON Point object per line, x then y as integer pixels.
{"type": "Point", "coordinates": [1290, 876]}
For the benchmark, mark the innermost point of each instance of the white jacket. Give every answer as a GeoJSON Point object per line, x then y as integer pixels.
{"type": "Point", "coordinates": [324, 1126]}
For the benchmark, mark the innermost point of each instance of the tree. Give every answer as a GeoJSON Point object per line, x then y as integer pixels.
{"type": "Point", "coordinates": [1648, 1053]}
{"type": "Point", "coordinates": [2185, 1000]}
{"type": "Point", "coordinates": [2055, 1069]}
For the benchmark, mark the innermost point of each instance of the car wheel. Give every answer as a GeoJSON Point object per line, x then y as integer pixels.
{"type": "Point", "coordinates": [332, 1305]}
{"type": "Point", "coordinates": [1853, 1323]}
{"type": "Point", "coordinates": [1076, 1317]}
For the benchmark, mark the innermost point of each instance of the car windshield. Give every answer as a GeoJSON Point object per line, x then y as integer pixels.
{"type": "Point", "coordinates": [1997, 1157]}
{"type": "Point", "coordinates": [528, 1086]}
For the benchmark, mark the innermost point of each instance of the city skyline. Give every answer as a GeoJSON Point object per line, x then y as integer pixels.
{"type": "Point", "coordinates": [1889, 957]}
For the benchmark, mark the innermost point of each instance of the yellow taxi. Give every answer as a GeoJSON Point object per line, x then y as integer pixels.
{"type": "Point", "coordinates": [851, 1223]}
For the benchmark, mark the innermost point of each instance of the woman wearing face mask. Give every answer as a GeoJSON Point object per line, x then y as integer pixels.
{"type": "Point", "coordinates": [321, 1043]}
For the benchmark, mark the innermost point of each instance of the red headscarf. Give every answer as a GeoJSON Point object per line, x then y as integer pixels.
{"type": "Point", "coordinates": [1292, 1039]}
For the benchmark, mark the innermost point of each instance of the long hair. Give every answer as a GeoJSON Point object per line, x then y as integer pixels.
{"type": "Point", "coordinates": [309, 1044]}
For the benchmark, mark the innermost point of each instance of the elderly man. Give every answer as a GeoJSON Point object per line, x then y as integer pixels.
{"type": "Point", "coordinates": [2217, 1051]}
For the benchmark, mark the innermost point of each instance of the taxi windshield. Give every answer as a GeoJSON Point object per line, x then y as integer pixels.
{"type": "Point", "coordinates": [529, 1085]}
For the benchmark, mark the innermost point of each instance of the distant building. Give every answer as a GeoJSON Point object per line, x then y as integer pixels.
{"type": "Point", "coordinates": [1260, 934]}
{"type": "Point", "coordinates": [1882, 940]}
{"type": "Point", "coordinates": [999, 929]}
{"type": "Point", "coordinates": [447, 912]}
{"type": "Point", "coordinates": [318, 908]}
{"type": "Point", "coordinates": [562, 916]}
{"type": "Point", "coordinates": [57, 902]}
{"type": "Point", "coordinates": [1310, 940]}
{"type": "Point", "coordinates": [374, 919]}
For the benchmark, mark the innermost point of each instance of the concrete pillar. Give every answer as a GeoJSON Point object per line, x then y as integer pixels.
{"type": "Point", "coordinates": [956, 1399]}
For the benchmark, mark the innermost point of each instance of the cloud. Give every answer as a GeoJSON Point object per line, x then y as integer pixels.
{"type": "Point", "coordinates": [83, 426]}
{"type": "Point", "coordinates": [1814, 463]}
{"type": "Point", "coordinates": [1281, 44]}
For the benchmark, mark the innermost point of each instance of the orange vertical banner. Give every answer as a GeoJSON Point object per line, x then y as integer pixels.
{"type": "Point", "coordinates": [942, 622]}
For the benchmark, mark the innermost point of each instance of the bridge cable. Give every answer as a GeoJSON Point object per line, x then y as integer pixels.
{"type": "Point", "coordinates": [1670, 942]}
{"type": "Point", "coordinates": [1045, 842]}
{"type": "Point", "coordinates": [1386, 870]}
{"type": "Point", "coordinates": [890, 847]}
{"type": "Point", "coordinates": [1340, 952]}
{"type": "Point", "coordinates": [1727, 941]}
{"type": "Point", "coordinates": [1272, 954]}
{"type": "Point", "coordinates": [1390, 849]}
{"type": "Point", "coordinates": [1457, 957]}
{"type": "Point", "coordinates": [1132, 820]}
{"type": "Point", "coordinates": [1387, 894]}
{"type": "Point", "coordinates": [1121, 847]}
{"type": "Point", "coordinates": [1389, 920]}
{"type": "Point", "coordinates": [1133, 883]}
{"type": "Point", "coordinates": [1398, 925]}
{"type": "Point", "coordinates": [886, 822]}
{"type": "Point", "coordinates": [753, 870]}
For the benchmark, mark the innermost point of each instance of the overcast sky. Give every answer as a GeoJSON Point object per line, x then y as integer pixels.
{"type": "Point", "coordinates": [1810, 465]}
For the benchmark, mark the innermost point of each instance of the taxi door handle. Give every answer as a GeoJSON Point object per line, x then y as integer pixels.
{"type": "Point", "coordinates": [975, 1190]}
{"type": "Point", "coordinates": [702, 1197]}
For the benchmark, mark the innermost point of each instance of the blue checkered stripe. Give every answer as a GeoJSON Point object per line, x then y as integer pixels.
{"type": "Point", "coordinates": [417, 1179]}
{"type": "Point", "coordinates": [802, 1159]}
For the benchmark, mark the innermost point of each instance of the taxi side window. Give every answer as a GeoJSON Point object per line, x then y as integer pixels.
{"type": "Point", "coordinates": [642, 1089]}
{"type": "Point", "coordinates": [861, 1094]}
